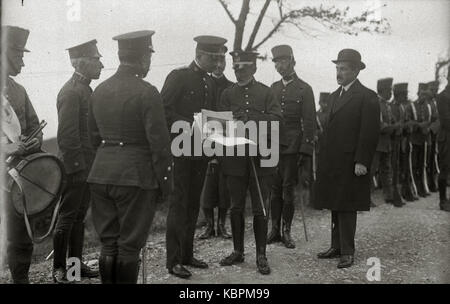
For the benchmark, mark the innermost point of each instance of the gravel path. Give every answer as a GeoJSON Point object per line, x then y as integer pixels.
{"type": "Point", "coordinates": [412, 244]}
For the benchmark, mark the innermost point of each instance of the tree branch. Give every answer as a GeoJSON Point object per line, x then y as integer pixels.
{"type": "Point", "coordinates": [227, 10]}
{"type": "Point", "coordinates": [240, 25]}
{"type": "Point", "coordinates": [275, 28]}
{"type": "Point", "coordinates": [258, 22]}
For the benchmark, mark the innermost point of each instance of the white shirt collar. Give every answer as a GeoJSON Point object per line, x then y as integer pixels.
{"type": "Point", "coordinates": [349, 85]}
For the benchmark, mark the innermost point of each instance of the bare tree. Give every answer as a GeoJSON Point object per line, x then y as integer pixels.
{"type": "Point", "coordinates": [330, 18]}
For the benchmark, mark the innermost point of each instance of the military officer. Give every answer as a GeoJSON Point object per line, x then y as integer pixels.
{"type": "Point", "coordinates": [19, 119]}
{"type": "Point", "coordinates": [297, 142]}
{"type": "Point", "coordinates": [443, 105]}
{"type": "Point", "coordinates": [382, 161]}
{"type": "Point", "coordinates": [249, 100]}
{"type": "Point", "coordinates": [215, 189]}
{"type": "Point", "coordinates": [77, 155]}
{"type": "Point", "coordinates": [432, 161]}
{"type": "Point", "coordinates": [133, 164]}
{"type": "Point", "coordinates": [186, 91]}
{"type": "Point", "coordinates": [401, 140]}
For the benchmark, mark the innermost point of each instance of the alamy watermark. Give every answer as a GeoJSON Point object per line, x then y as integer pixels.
{"type": "Point", "coordinates": [243, 139]}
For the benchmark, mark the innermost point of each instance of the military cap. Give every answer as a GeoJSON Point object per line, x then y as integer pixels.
{"type": "Point", "coordinates": [401, 87]}
{"type": "Point", "coordinates": [384, 83]}
{"type": "Point", "coordinates": [350, 55]}
{"type": "Point", "coordinates": [212, 45]}
{"type": "Point", "coordinates": [282, 51]}
{"type": "Point", "coordinates": [16, 37]}
{"type": "Point", "coordinates": [135, 43]}
{"type": "Point", "coordinates": [87, 49]}
{"type": "Point", "coordinates": [324, 97]}
{"type": "Point", "coordinates": [241, 58]}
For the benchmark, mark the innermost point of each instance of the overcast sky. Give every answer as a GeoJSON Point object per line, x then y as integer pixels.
{"type": "Point", "coordinates": [420, 32]}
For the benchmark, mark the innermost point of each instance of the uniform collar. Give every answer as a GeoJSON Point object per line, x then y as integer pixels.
{"type": "Point", "coordinates": [128, 69]}
{"type": "Point", "coordinates": [197, 68]}
{"type": "Point", "coordinates": [81, 78]}
{"type": "Point", "coordinates": [247, 84]}
{"type": "Point", "coordinates": [288, 79]}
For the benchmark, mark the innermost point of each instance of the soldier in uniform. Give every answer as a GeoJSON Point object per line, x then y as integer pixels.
{"type": "Point", "coordinates": [186, 91]}
{"type": "Point", "coordinates": [133, 164]}
{"type": "Point", "coordinates": [296, 142]}
{"type": "Point", "coordinates": [77, 155]}
{"type": "Point", "coordinates": [249, 100]}
{"type": "Point", "coordinates": [443, 105]}
{"type": "Point", "coordinates": [401, 141]}
{"type": "Point", "coordinates": [432, 161]}
{"type": "Point", "coordinates": [215, 190]}
{"type": "Point", "coordinates": [382, 161]}
{"type": "Point", "coordinates": [322, 113]}
{"type": "Point", "coordinates": [421, 119]}
{"type": "Point", "coordinates": [18, 120]}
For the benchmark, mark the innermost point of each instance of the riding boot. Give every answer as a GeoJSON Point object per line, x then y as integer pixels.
{"type": "Point", "coordinates": [107, 266]}
{"type": "Point", "coordinates": [237, 229]}
{"type": "Point", "coordinates": [397, 198]}
{"type": "Point", "coordinates": [209, 229]}
{"type": "Point", "coordinates": [442, 185]}
{"type": "Point", "coordinates": [19, 267]}
{"type": "Point", "coordinates": [76, 243]}
{"type": "Point", "coordinates": [276, 210]}
{"type": "Point", "coordinates": [127, 271]}
{"type": "Point", "coordinates": [288, 214]}
{"type": "Point", "coordinates": [59, 257]}
{"type": "Point", "coordinates": [221, 230]}
{"type": "Point", "coordinates": [260, 231]}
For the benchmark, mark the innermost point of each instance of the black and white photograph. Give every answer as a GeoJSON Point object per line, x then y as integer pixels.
{"type": "Point", "coordinates": [240, 144]}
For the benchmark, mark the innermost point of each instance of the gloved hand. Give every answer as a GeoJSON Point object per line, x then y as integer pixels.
{"type": "Point", "coordinates": [33, 146]}
{"type": "Point", "coordinates": [17, 148]}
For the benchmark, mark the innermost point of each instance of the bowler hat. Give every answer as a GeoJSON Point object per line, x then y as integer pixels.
{"type": "Point", "coordinates": [350, 55]}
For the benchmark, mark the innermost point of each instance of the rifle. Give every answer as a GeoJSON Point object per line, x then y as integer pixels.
{"type": "Point", "coordinates": [29, 138]}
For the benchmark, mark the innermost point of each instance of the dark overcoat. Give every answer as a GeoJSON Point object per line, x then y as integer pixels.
{"type": "Point", "coordinates": [350, 137]}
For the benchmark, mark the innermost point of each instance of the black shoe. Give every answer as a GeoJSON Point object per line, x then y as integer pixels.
{"type": "Point", "coordinates": [87, 272]}
{"type": "Point", "coordinates": [196, 263]}
{"type": "Point", "coordinates": [345, 261]}
{"type": "Point", "coordinates": [329, 254]}
{"type": "Point", "coordinates": [444, 206]}
{"type": "Point", "coordinates": [262, 264]}
{"type": "Point", "coordinates": [59, 276]}
{"type": "Point", "coordinates": [179, 271]}
{"type": "Point", "coordinates": [234, 258]}
{"type": "Point", "coordinates": [207, 233]}
{"type": "Point", "coordinates": [274, 236]}
{"type": "Point", "coordinates": [389, 201]}
{"type": "Point", "coordinates": [287, 240]}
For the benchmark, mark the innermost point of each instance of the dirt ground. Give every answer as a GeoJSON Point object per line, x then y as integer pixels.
{"type": "Point", "coordinates": [412, 244]}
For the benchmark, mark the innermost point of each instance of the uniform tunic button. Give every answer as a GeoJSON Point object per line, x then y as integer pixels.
{"type": "Point", "coordinates": [246, 111]}
{"type": "Point", "coordinates": [169, 168]}
{"type": "Point", "coordinates": [246, 96]}
{"type": "Point", "coordinates": [246, 102]}
{"type": "Point", "coordinates": [103, 142]}
{"type": "Point", "coordinates": [121, 144]}
{"type": "Point", "coordinates": [165, 177]}
{"type": "Point", "coordinates": [76, 164]}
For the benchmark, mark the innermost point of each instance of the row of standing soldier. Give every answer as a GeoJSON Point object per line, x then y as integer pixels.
{"type": "Point", "coordinates": [407, 164]}
{"type": "Point", "coordinates": [132, 164]}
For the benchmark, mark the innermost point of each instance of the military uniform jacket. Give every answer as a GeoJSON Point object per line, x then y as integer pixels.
{"type": "Point", "coordinates": [220, 85]}
{"type": "Point", "coordinates": [399, 114]}
{"type": "Point", "coordinates": [255, 102]}
{"type": "Point", "coordinates": [21, 104]}
{"type": "Point", "coordinates": [420, 111]}
{"type": "Point", "coordinates": [434, 126]}
{"type": "Point", "coordinates": [298, 109]}
{"type": "Point", "coordinates": [443, 105]}
{"type": "Point", "coordinates": [74, 147]}
{"type": "Point", "coordinates": [386, 121]}
{"type": "Point", "coordinates": [128, 128]}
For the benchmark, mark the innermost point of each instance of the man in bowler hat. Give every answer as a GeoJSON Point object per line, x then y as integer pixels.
{"type": "Point", "coordinates": [346, 153]}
